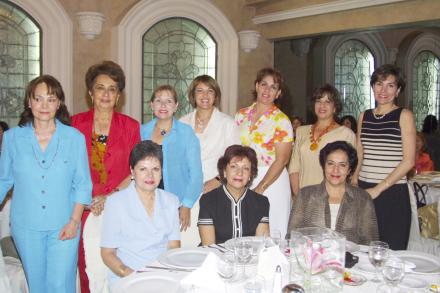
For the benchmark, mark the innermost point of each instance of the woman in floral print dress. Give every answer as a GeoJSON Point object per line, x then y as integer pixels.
{"type": "Point", "coordinates": [269, 132]}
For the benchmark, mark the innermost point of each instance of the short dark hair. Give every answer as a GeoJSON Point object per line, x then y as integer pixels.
{"type": "Point", "coordinates": [145, 149]}
{"type": "Point", "coordinates": [109, 68]}
{"type": "Point", "coordinates": [165, 87]}
{"type": "Point", "coordinates": [277, 78]}
{"type": "Point", "coordinates": [238, 151]}
{"type": "Point", "coordinates": [343, 146]}
{"type": "Point", "coordinates": [333, 95]}
{"type": "Point", "coordinates": [382, 72]}
{"type": "Point", "coordinates": [430, 124]}
{"type": "Point", "coordinates": [352, 121]}
{"type": "Point", "coordinates": [210, 82]}
{"type": "Point", "coordinates": [4, 125]}
{"type": "Point", "coordinates": [54, 88]}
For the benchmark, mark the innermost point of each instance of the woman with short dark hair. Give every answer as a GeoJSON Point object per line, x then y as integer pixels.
{"type": "Point", "coordinates": [386, 140]}
{"type": "Point", "coordinates": [142, 221]}
{"type": "Point", "coordinates": [233, 210]}
{"type": "Point", "coordinates": [335, 203]}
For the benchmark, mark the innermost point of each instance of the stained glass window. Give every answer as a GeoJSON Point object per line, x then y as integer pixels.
{"type": "Point", "coordinates": [175, 51]}
{"type": "Point", "coordinates": [354, 64]}
{"type": "Point", "coordinates": [426, 86]}
{"type": "Point", "coordinates": [20, 58]}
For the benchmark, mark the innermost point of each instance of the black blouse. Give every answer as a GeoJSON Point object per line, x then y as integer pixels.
{"type": "Point", "coordinates": [230, 218]}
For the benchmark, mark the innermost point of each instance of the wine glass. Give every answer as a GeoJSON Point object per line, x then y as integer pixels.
{"type": "Point", "coordinates": [275, 235]}
{"type": "Point", "coordinates": [226, 267]}
{"type": "Point", "coordinates": [393, 272]}
{"type": "Point", "coordinates": [243, 252]}
{"type": "Point", "coordinates": [378, 252]}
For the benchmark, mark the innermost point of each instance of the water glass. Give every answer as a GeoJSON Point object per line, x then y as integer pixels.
{"type": "Point", "coordinates": [275, 235]}
{"type": "Point", "coordinates": [256, 284]}
{"type": "Point", "coordinates": [243, 252]}
{"type": "Point", "coordinates": [378, 252]}
{"type": "Point", "coordinates": [393, 272]}
{"type": "Point", "coordinates": [226, 265]}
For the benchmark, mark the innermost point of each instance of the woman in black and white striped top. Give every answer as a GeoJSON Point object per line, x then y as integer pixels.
{"type": "Point", "coordinates": [386, 151]}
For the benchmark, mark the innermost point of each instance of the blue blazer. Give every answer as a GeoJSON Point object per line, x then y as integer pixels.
{"type": "Point", "coordinates": [46, 184]}
{"type": "Point", "coordinates": [182, 164]}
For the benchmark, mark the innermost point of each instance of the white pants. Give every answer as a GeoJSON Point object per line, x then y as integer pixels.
{"type": "Point", "coordinates": [279, 197]}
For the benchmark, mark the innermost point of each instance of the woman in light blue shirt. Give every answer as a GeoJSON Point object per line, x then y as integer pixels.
{"type": "Point", "coordinates": [45, 160]}
{"type": "Point", "coordinates": [182, 166]}
{"type": "Point", "coordinates": [142, 221]}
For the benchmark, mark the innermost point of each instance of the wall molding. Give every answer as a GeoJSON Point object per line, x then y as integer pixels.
{"type": "Point", "coordinates": [127, 46]}
{"type": "Point", "coordinates": [336, 6]}
{"type": "Point", "coordinates": [57, 44]}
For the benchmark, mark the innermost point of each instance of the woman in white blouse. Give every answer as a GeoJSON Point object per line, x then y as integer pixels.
{"type": "Point", "coordinates": [215, 130]}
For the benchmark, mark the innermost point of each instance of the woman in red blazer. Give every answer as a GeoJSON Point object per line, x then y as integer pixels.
{"type": "Point", "coordinates": [110, 137]}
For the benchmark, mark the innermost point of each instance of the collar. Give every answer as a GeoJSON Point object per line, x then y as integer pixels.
{"type": "Point", "coordinates": [349, 191]}
{"type": "Point", "coordinates": [229, 195]}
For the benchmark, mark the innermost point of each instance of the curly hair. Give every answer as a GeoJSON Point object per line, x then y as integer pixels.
{"type": "Point", "coordinates": [333, 95]}
{"type": "Point", "coordinates": [109, 68]}
{"type": "Point", "coordinates": [238, 151]}
{"type": "Point", "coordinates": [381, 73]}
{"type": "Point", "coordinates": [210, 82]}
{"type": "Point", "coordinates": [343, 146]}
{"type": "Point", "coordinates": [54, 88]}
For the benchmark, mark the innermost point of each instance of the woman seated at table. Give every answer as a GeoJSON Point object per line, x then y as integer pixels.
{"type": "Point", "coordinates": [234, 200]}
{"type": "Point", "coordinates": [142, 221]}
{"type": "Point", "coordinates": [335, 203]}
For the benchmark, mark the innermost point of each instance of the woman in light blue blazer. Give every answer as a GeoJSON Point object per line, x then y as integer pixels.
{"type": "Point", "coordinates": [182, 166]}
{"type": "Point", "coordinates": [45, 160]}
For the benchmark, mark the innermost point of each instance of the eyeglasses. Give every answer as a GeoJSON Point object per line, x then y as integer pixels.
{"type": "Point", "coordinates": [50, 99]}
{"type": "Point", "coordinates": [101, 90]}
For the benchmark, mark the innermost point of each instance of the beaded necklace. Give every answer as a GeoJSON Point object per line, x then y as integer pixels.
{"type": "Point", "coordinates": [315, 142]}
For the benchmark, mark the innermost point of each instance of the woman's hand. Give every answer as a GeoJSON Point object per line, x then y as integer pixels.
{"type": "Point", "coordinates": [69, 230]}
{"type": "Point", "coordinates": [374, 192]}
{"type": "Point", "coordinates": [98, 203]}
{"type": "Point", "coordinates": [185, 218]}
{"type": "Point", "coordinates": [260, 189]}
{"type": "Point", "coordinates": [210, 185]}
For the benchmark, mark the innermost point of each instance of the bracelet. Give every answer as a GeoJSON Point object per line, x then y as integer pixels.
{"type": "Point", "coordinates": [76, 222]}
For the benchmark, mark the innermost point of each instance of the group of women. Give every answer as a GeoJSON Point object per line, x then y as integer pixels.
{"type": "Point", "coordinates": [239, 167]}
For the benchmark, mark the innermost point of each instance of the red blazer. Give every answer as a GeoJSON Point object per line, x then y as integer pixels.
{"type": "Point", "coordinates": [124, 134]}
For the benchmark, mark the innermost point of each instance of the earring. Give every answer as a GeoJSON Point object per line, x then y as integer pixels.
{"type": "Point", "coordinates": [132, 178]}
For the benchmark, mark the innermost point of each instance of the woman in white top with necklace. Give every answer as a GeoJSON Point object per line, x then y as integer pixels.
{"type": "Point", "coordinates": [215, 130]}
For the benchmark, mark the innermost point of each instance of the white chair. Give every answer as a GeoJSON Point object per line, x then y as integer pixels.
{"type": "Point", "coordinates": [416, 241]}
{"type": "Point", "coordinates": [95, 268]}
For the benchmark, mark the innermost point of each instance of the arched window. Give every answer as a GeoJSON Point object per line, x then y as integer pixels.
{"type": "Point", "coordinates": [425, 86]}
{"type": "Point", "coordinates": [20, 58]}
{"type": "Point", "coordinates": [354, 64]}
{"type": "Point", "coordinates": [175, 51]}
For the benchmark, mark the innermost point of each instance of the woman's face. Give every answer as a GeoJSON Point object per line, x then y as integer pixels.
{"type": "Point", "coordinates": [267, 90]}
{"type": "Point", "coordinates": [324, 108]}
{"type": "Point", "coordinates": [164, 106]}
{"type": "Point", "coordinates": [147, 174]}
{"type": "Point", "coordinates": [238, 173]}
{"type": "Point", "coordinates": [385, 91]}
{"type": "Point", "coordinates": [43, 105]}
{"type": "Point", "coordinates": [347, 123]}
{"type": "Point", "coordinates": [336, 168]}
{"type": "Point", "coordinates": [419, 144]}
{"type": "Point", "coordinates": [105, 93]}
{"type": "Point", "coordinates": [296, 123]}
{"type": "Point", "coordinates": [204, 96]}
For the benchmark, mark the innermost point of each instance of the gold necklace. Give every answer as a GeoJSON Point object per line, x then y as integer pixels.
{"type": "Point", "coordinates": [315, 142]}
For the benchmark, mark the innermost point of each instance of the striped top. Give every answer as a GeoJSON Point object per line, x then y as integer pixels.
{"type": "Point", "coordinates": [382, 144]}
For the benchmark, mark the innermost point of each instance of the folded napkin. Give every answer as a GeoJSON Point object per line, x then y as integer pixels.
{"type": "Point", "coordinates": [205, 278]}
{"type": "Point", "coordinates": [268, 260]}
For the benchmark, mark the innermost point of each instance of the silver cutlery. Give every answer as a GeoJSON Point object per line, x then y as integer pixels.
{"type": "Point", "coordinates": [169, 269]}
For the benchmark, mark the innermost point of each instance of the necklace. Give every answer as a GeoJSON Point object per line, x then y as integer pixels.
{"type": "Point", "coordinates": [202, 123]}
{"type": "Point", "coordinates": [380, 116]}
{"type": "Point", "coordinates": [315, 142]}
{"type": "Point", "coordinates": [53, 158]}
{"type": "Point", "coordinates": [165, 130]}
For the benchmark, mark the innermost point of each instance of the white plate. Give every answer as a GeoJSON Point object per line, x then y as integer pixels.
{"type": "Point", "coordinates": [413, 283]}
{"type": "Point", "coordinates": [351, 246]}
{"type": "Point", "coordinates": [365, 267]}
{"type": "Point", "coordinates": [425, 263]}
{"type": "Point", "coordinates": [187, 258]}
{"type": "Point", "coordinates": [153, 282]}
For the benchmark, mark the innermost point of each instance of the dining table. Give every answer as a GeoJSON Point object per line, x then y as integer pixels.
{"type": "Point", "coordinates": [160, 277]}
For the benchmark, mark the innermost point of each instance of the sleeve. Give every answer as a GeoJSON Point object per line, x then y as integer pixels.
{"type": "Point", "coordinates": [205, 215]}
{"type": "Point", "coordinates": [6, 162]}
{"type": "Point", "coordinates": [175, 230]}
{"type": "Point", "coordinates": [265, 210]}
{"type": "Point", "coordinates": [369, 230]}
{"type": "Point", "coordinates": [232, 134]}
{"type": "Point", "coordinates": [295, 159]}
{"type": "Point", "coordinates": [195, 175]}
{"type": "Point", "coordinates": [82, 182]}
{"type": "Point", "coordinates": [111, 225]}
{"type": "Point", "coordinates": [351, 138]}
{"type": "Point", "coordinates": [283, 129]}
{"type": "Point", "coordinates": [135, 135]}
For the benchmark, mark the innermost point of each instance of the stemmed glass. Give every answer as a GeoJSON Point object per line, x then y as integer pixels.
{"type": "Point", "coordinates": [243, 252]}
{"type": "Point", "coordinates": [393, 272]}
{"type": "Point", "coordinates": [226, 267]}
{"type": "Point", "coordinates": [378, 252]}
{"type": "Point", "coordinates": [275, 235]}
